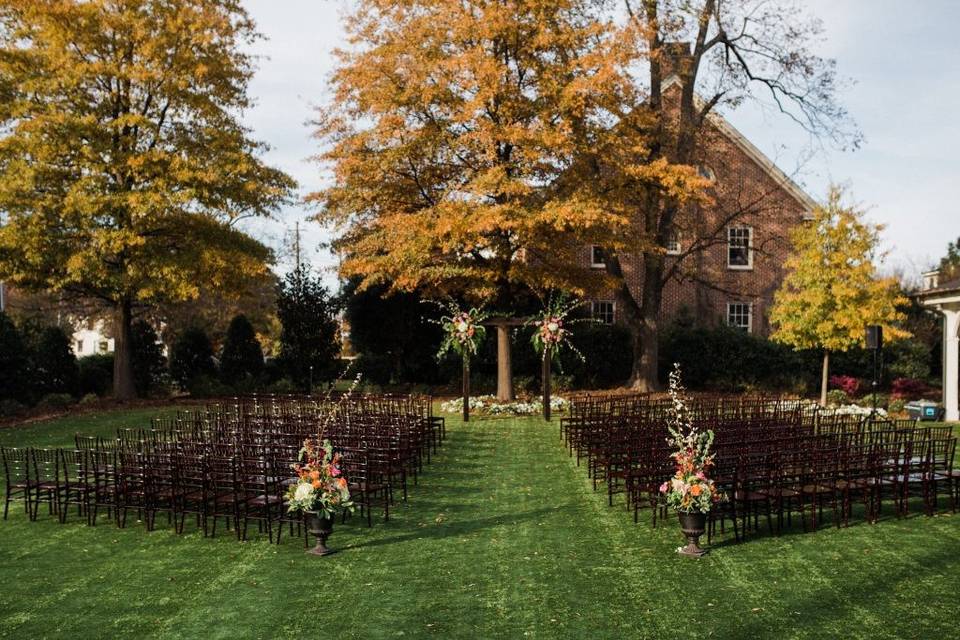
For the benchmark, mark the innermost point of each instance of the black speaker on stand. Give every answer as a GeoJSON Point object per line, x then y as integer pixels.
{"type": "Point", "coordinates": [875, 344]}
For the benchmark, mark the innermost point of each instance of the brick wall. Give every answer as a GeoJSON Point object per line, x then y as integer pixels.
{"type": "Point", "coordinates": [745, 194]}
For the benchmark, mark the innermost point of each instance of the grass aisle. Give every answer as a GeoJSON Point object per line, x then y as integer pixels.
{"type": "Point", "coordinates": [503, 538]}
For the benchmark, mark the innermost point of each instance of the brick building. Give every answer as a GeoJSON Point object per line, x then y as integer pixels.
{"type": "Point", "coordinates": [726, 260]}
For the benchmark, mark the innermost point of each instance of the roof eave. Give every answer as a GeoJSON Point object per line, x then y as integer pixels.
{"type": "Point", "coordinates": [765, 163]}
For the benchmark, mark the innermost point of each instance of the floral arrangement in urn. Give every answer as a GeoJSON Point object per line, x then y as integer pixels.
{"type": "Point", "coordinates": [690, 490]}
{"type": "Point", "coordinates": [320, 486]}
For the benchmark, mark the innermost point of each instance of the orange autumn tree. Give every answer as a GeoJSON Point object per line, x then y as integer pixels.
{"type": "Point", "coordinates": [480, 146]}
{"type": "Point", "coordinates": [462, 139]}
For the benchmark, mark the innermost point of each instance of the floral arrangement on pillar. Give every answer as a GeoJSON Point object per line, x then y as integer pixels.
{"type": "Point", "coordinates": [690, 492]}
{"type": "Point", "coordinates": [463, 333]}
{"type": "Point", "coordinates": [551, 334]}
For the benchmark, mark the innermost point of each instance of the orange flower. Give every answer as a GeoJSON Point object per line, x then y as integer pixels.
{"type": "Point", "coordinates": [316, 484]}
{"type": "Point", "coordinates": [695, 490]}
{"type": "Point", "coordinates": [314, 475]}
{"type": "Point", "coordinates": [342, 482]}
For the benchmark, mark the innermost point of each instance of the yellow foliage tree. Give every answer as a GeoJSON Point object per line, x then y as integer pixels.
{"type": "Point", "coordinates": [831, 291]}
{"type": "Point", "coordinates": [124, 164]}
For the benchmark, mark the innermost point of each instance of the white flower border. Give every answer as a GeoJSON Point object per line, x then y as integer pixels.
{"type": "Point", "coordinates": [489, 405]}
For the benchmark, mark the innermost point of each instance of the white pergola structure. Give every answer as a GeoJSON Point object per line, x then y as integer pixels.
{"type": "Point", "coordinates": [945, 298]}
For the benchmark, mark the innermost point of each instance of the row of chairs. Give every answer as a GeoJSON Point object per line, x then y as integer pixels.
{"type": "Point", "coordinates": [774, 457]}
{"type": "Point", "coordinates": [227, 463]}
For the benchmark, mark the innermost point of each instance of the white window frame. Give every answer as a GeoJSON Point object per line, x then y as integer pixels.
{"type": "Point", "coordinates": [675, 244]}
{"type": "Point", "coordinates": [613, 311]}
{"type": "Point", "coordinates": [593, 252]}
{"type": "Point", "coordinates": [749, 306]}
{"type": "Point", "coordinates": [740, 267]}
{"type": "Point", "coordinates": [706, 172]}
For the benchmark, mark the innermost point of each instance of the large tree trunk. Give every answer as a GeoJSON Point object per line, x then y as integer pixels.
{"type": "Point", "coordinates": [123, 387]}
{"type": "Point", "coordinates": [645, 332]}
{"type": "Point", "coordinates": [825, 376]}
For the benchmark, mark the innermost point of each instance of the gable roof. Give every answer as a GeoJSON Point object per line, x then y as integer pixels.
{"type": "Point", "coordinates": [752, 152]}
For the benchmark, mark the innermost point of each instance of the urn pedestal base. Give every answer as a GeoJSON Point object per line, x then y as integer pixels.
{"type": "Point", "coordinates": [693, 525]}
{"type": "Point", "coordinates": [320, 527]}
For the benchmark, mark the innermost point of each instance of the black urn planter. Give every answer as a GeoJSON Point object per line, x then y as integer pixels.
{"type": "Point", "coordinates": [693, 525]}
{"type": "Point", "coordinates": [321, 527]}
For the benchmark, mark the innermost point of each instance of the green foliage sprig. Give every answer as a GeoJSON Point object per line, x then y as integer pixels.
{"type": "Point", "coordinates": [463, 331]}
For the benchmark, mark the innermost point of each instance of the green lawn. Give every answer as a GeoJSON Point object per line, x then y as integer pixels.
{"type": "Point", "coordinates": [503, 538]}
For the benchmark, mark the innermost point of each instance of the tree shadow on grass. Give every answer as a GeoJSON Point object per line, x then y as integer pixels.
{"type": "Point", "coordinates": [454, 528]}
{"type": "Point", "coordinates": [816, 611]}
{"type": "Point", "coordinates": [856, 520]}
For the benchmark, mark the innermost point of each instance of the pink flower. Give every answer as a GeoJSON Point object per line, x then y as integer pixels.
{"type": "Point", "coordinates": [701, 476]}
{"type": "Point", "coordinates": [664, 487]}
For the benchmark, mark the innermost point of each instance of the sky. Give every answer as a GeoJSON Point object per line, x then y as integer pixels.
{"type": "Point", "coordinates": [903, 59]}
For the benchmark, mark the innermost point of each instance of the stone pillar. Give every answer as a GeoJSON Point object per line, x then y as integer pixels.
{"type": "Point", "coordinates": [504, 365]}
{"type": "Point", "coordinates": [951, 363]}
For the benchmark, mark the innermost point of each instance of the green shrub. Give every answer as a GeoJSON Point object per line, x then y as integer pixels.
{"type": "Point", "coordinates": [409, 346]}
{"type": "Point", "coordinates": [309, 334]}
{"type": "Point", "coordinates": [55, 367]}
{"type": "Point", "coordinates": [375, 369]}
{"type": "Point", "coordinates": [149, 365]}
{"type": "Point", "coordinates": [563, 383]}
{"type": "Point", "coordinates": [241, 362]}
{"type": "Point", "coordinates": [10, 407]}
{"type": "Point", "coordinates": [96, 374]}
{"type": "Point", "coordinates": [897, 405]}
{"type": "Point", "coordinates": [883, 400]}
{"type": "Point", "coordinates": [283, 385]}
{"type": "Point", "coordinates": [89, 399]}
{"type": "Point", "coordinates": [838, 397]}
{"type": "Point", "coordinates": [608, 356]}
{"type": "Point", "coordinates": [55, 401]}
{"type": "Point", "coordinates": [14, 363]}
{"type": "Point", "coordinates": [726, 359]}
{"type": "Point", "coordinates": [206, 386]}
{"type": "Point", "coordinates": [191, 358]}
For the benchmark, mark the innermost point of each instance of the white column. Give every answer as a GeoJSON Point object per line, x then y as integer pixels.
{"type": "Point", "coordinates": [951, 363]}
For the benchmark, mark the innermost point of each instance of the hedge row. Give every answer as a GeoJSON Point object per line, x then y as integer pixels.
{"type": "Point", "coordinates": [721, 359]}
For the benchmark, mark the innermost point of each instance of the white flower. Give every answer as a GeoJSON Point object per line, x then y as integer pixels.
{"type": "Point", "coordinates": [304, 492]}
{"type": "Point", "coordinates": [462, 327]}
{"type": "Point", "coordinates": [553, 326]}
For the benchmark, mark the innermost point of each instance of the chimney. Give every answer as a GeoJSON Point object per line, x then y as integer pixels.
{"type": "Point", "coordinates": [675, 59]}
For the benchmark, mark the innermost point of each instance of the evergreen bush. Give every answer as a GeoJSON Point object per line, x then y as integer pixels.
{"type": "Point", "coordinates": [191, 357]}
{"type": "Point", "coordinates": [54, 366]}
{"type": "Point", "coordinates": [95, 374]}
{"type": "Point", "coordinates": [241, 361]}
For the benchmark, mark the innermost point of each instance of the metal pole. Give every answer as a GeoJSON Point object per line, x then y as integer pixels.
{"type": "Point", "coordinates": [466, 389]}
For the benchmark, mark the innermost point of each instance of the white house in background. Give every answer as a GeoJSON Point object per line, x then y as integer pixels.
{"type": "Point", "coordinates": [90, 338]}
{"type": "Point", "coordinates": [944, 296]}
